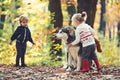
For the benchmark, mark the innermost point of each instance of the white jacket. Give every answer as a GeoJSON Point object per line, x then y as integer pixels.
{"type": "Point", "coordinates": [84, 33]}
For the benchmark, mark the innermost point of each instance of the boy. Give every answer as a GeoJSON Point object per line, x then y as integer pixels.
{"type": "Point", "coordinates": [22, 35]}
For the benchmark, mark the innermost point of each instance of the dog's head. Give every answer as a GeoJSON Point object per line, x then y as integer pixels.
{"type": "Point", "coordinates": [66, 33]}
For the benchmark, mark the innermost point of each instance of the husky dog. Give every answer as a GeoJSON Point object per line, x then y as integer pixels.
{"type": "Point", "coordinates": [67, 34]}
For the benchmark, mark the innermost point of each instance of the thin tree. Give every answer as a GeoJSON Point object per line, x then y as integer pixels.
{"type": "Point", "coordinates": [102, 20]}
{"type": "Point", "coordinates": [2, 17]}
{"type": "Point", "coordinates": [118, 34]}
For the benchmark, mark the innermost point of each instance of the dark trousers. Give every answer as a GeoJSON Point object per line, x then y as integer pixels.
{"type": "Point", "coordinates": [80, 54]}
{"type": "Point", "coordinates": [80, 50]}
{"type": "Point", "coordinates": [88, 53]}
{"type": "Point", "coordinates": [21, 50]}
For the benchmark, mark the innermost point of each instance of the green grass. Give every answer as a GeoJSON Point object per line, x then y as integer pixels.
{"type": "Point", "coordinates": [111, 53]}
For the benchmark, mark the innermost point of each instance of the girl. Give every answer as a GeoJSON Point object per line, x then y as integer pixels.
{"type": "Point", "coordinates": [85, 34]}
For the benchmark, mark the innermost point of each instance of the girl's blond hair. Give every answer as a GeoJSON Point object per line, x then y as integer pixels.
{"type": "Point", "coordinates": [80, 17]}
{"type": "Point", "coordinates": [23, 18]}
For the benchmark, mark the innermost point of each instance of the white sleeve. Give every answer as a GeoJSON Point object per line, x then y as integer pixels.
{"type": "Point", "coordinates": [77, 37]}
{"type": "Point", "coordinates": [91, 30]}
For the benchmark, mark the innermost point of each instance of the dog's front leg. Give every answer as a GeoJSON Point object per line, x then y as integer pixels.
{"type": "Point", "coordinates": [69, 62]}
{"type": "Point", "coordinates": [66, 65]}
{"type": "Point", "coordinates": [78, 64]}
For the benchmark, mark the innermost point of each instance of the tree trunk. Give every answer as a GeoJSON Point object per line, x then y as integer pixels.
{"type": "Point", "coordinates": [118, 34]}
{"type": "Point", "coordinates": [90, 7]}
{"type": "Point", "coordinates": [57, 21]}
{"type": "Point", "coordinates": [2, 18]}
{"type": "Point", "coordinates": [102, 21]}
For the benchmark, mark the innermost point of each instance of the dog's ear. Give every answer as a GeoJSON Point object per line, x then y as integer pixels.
{"type": "Point", "coordinates": [70, 30]}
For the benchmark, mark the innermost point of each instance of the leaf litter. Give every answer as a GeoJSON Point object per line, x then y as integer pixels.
{"type": "Point", "coordinates": [9, 72]}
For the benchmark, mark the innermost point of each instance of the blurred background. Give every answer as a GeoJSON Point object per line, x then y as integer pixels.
{"type": "Point", "coordinates": [46, 17]}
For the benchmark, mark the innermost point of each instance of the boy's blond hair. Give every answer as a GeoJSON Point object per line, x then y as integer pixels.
{"type": "Point", "coordinates": [23, 18]}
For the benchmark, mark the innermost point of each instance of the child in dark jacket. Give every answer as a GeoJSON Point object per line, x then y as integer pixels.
{"type": "Point", "coordinates": [22, 35]}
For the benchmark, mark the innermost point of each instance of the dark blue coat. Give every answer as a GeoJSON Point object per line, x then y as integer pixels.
{"type": "Point", "coordinates": [22, 34]}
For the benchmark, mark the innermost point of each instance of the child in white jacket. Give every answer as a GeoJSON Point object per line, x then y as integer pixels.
{"type": "Point", "coordinates": [85, 34]}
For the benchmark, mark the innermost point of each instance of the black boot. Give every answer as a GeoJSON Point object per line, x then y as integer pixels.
{"type": "Point", "coordinates": [23, 65]}
{"type": "Point", "coordinates": [23, 61]}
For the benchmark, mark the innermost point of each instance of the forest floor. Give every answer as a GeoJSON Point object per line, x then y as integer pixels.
{"type": "Point", "coordinates": [9, 72]}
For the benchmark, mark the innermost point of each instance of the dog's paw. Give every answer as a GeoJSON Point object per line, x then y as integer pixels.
{"type": "Point", "coordinates": [76, 70]}
{"type": "Point", "coordinates": [68, 69]}
{"type": "Point", "coordinates": [65, 67]}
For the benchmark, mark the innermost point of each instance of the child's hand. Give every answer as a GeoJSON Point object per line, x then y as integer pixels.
{"type": "Point", "coordinates": [34, 44]}
{"type": "Point", "coordinates": [69, 45]}
{"type": "Point", "coordinates": [10, 42]}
